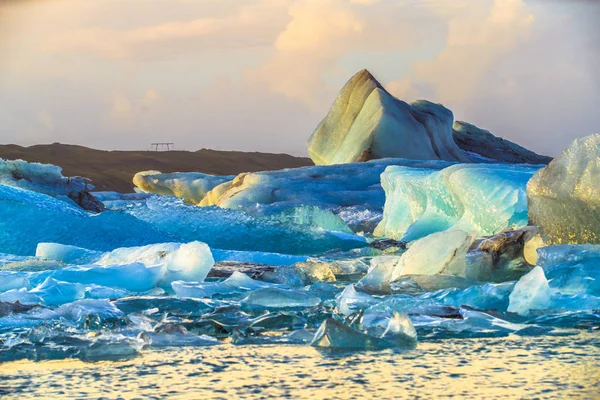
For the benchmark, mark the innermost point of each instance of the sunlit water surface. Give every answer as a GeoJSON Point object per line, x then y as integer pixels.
{"type": "Point", "coordinates": [510, 367]}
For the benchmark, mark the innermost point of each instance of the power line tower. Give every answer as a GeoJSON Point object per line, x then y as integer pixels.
{"type": "Point", "coordinates": [162, 145]}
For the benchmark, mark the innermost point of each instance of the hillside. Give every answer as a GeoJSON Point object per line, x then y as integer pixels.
{"type": "Point", "coordinates": [113, 170]}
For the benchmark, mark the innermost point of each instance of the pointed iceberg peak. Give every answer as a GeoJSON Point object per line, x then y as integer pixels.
{"type": "Point", "coordinates": [366, 122]}
{"type": "Point", "coordinates": [364, 75]}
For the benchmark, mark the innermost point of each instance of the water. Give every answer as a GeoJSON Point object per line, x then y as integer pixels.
{"type": "Point", "coordinates": [509, 367]}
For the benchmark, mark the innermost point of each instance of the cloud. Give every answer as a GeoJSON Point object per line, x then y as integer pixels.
{"type": "Point", "coordinates": [124, 108]}
{"type": "Point", "coordinates": [249, 25]}
{"type": "Point", "coordinates": [477, 38]}
{"type": "Point", "coordinates": [323, 32]}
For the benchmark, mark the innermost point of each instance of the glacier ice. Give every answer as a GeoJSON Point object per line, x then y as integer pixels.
{"type": "Point", "coordinates": [482, 198]}
{"type": "Point", "coordinates": [353, 186]}
{"type": "Point", "coordinates": [157, 220]}
{"type": "Point", "coordinates": [366, 122]}
{"type": "Point", "coordinates": [55, 292]}
{"type": "Point", "coordinates": [276, 298]}
{"type": "Point", "coordinates": [66, 253]}
{"type": "Point", "coordinates": [350, 301]}
{"type": "Point", "coordinates": [11, 280]}
{"type": "Point", "coordinates": [22, 295]}
{"type": "Point", "coordinates": [482, 143]}
{"type": "Point", "coordinates": [439, 253]}
{"type": "Point", "coordinates": [60, 222]}
{"type": "Point", "coordinates": [532, 292]}
{"type": "Point", "coordinates": [190, 186]}
{"type": "Point", "coordinates": [237, 282]}
{"type": "Point", "coordinates": [397, 331]}
{"type": "Point", "coordinates": [572, 269]}
{"type": "Point", "coordinates": [564, 197]}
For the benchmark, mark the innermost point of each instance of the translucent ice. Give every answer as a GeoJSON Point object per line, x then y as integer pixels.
{"type": "Point", "coordinates": [274, 298]}
{"type": "Point", "coordinates": [11, 280]}
{"type": "Point", "coordinates": [236, 283]}
{"type": "Point", "coordinates": [564, 197]}
{"type": "Point", "coordinates": [485, 198]}
{"type": "Point", "coordinates": [20, 295]}
{"type": "Point", "coordinates": [55, 292]}
{"type": "Point", "coordinates": [532, 292]}
{"type": "Point", "coordinates": [350, 301]}
{"type": "Point", "coordinates": [438, 253]}
{"type": "Point", "coordinates": [337, 187]}
{"type": "Point", "coordinates": [77, 311]}
{"type": "Point", "coordinates": [333, 334]}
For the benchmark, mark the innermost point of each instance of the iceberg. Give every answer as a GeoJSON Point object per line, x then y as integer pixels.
{"type": "Point", "coordinates": [483, 145]}
{"type": "Point", "coordinates": [275, 298]}
{"type": "Point", "coordinates": [531, 292]}
{"type": "Point", "coordinates": [482, 198]}
{"type": "Point", "coordinates": [236, 283]}
{"type": "Point", "coordinates": [564, 197]}
{"type": "Point", "coordinates": [48, 179]}
{"type": "Point", "coordinates": [336, 188]}
{"type": "Point", "coordinates": [439, 253]}
{"type": "Point", "coordinates": [21, 295]}
{"type": "Point", "coordinates": [350, 301]}
{"type": "Point", "coordinates": [54, 292]}
{"type": "Point", "coordinates": [572, 269]}
{"type": "Point", "coordinates": [192, 187]}
{"type": "Point", "coordinates": [60, 222]}
{"type": "Point", "coordinates": [366, 122]}
{"type": "Point", "coordinates": [394, 331]}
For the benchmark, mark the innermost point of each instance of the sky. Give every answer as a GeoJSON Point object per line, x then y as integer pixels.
{"type": "Point", "coordinates": [259, 75]}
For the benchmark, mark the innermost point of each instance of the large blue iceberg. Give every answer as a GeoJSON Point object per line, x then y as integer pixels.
{"type": "Point", "coordinates": [480, 198]}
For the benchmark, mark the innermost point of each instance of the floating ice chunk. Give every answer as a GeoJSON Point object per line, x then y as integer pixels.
{"type": "Point", "coordinates": [191, 261]}
{"type": "Point", "coordinates": [20, 295]}
{"type": "Point", "coordinates": [532, 292]}
{"type": "Point", "coordinates": [48, 179]}
{"type": "Point", "coordinates": [572, 269]}
{"type": "Point", "coordinates": [55, 292]}
{"type": "Point", "coordinates": [257, 257]}
{"type": "Point", "coordinates": [135, 277]}
{"type": "Point", "coordinates": [335, 188]}
{"type": "Point", "coordinates": [394, 327]}
{"type": "Point", "coordinates": [164, 339]}
{"type": "Point", "coordinates": [484, 198]}
{"type": "Point", "coordinates": [66, 223]}
{"type": "Point", "coordinates": [190, 186]}
{"type": "Point", "coordinates": [275, 298]}
{"type": "Point", "coordinates": [103, 292]}
{"type": "Point", "coordinates": [489, 296]}
{"type": "Point", "coordinates": [223, 229]}
{"type": "Point", "coordinates": [350, 301]}
{"type": "Point", "coordinates": [438, 253]}
{"type": "Point", "coordinates": [333, 334]}
{"type": "Point", "coordinates": [111, 347]}
{"type": "Point", "coordinates": [572, 254]}
{"type": "Point", "coordinates": [564, 197]}
{"type": "Point", "coordinates": [66, 253]}
{"type": "Point", "coordinates": [237, 282]}
{"type": "Point", "coordinates": [380, 274]}
{"type": "Point", "coordinates": [13, 280]}
{"type": "Point", "coordinates": [77, 311]}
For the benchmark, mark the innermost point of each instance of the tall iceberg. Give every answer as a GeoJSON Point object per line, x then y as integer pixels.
{"type": "Point", "coordinates": [366, 122]}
